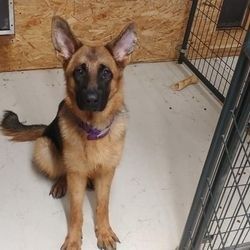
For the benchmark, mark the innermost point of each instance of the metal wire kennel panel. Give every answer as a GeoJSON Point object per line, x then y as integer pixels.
{"type": "Point", "coordinates": [229, 226]}
{"type": "Point", "coordinates": [212, 42]}
{"type": "Point", "coordinates": [220, 214]}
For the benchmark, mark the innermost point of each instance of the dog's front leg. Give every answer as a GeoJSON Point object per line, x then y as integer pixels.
{"type": "Point", "coordinates": [76, 190]}
{"type": "Point", "coordinates": [106, 238]}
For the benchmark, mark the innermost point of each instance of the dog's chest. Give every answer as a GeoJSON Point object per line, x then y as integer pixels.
{"type": "Point", "coordinates": [81, 153]}
{"type": "Point", "coordinates": [104, 152]}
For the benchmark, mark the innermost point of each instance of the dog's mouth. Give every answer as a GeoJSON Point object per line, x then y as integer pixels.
{"type": "Point", "coordinates": [92, 108]}
{"type": "Point", "coordinates": [92, 100]}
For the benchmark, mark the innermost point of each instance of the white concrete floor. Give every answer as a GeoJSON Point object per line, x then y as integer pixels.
{"type": "Point", "coordinates": [168, 137]}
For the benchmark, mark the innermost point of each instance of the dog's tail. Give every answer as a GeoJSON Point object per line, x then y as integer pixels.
{"type": "Point", "coordinates": [11, 126]}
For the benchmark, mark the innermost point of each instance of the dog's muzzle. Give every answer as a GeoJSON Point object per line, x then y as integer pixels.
{"type": "Point", "coordinates": [92, 99]}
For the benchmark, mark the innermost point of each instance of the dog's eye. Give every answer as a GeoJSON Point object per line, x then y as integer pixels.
{"type": "Point", "coordinates": [81, 70]}
{"type": "Point", "coordinates": [106, 74]}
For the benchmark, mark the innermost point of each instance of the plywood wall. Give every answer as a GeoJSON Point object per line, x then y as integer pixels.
{"type": "Point", "coordinates": [161, 25]}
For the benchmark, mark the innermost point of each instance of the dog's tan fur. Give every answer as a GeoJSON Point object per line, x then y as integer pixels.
{"type": "Point", "coordinates": [83, 159]}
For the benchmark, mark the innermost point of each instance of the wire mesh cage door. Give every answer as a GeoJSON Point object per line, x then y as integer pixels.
{"type": "Point", "coordinates": [220, 214]}
{"type": "Point", "coordinates": [214, 36]}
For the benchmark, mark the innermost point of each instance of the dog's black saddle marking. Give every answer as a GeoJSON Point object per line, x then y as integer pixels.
{"type": "Point", "coordinates": [53, 132]}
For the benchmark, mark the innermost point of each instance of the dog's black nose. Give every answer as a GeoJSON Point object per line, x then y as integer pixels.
{"type": "Point", "coordinates": [92, 97]}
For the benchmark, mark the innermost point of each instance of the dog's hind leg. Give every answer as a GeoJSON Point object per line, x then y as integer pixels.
{"type": "Point", "coordinates": [49, 161]}
{"type": "Point", "coordinates": [58, 190]}
{"type": "Point", "coordinates": [47, 158]}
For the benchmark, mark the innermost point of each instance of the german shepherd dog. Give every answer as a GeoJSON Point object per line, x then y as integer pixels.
{"type": "Point", "coordinates": [84, 143]}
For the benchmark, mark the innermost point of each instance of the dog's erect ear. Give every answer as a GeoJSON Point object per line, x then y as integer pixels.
{"type": "Point", "coordinates": [123, 45]}
{"type": "Point", "coordinates": [63, 39]}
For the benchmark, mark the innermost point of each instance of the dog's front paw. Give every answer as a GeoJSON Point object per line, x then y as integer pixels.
{"type": "Point", "coordinates": [106, 239]}
{"type": "Point", "coordinates": [71, 244]}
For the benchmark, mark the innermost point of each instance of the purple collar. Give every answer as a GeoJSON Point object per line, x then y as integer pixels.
{"type": "Point", "coordinates": [94, 133]}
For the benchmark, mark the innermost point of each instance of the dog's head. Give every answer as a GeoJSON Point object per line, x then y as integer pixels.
{"type": "Point", "coordinates": [92, 73]}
